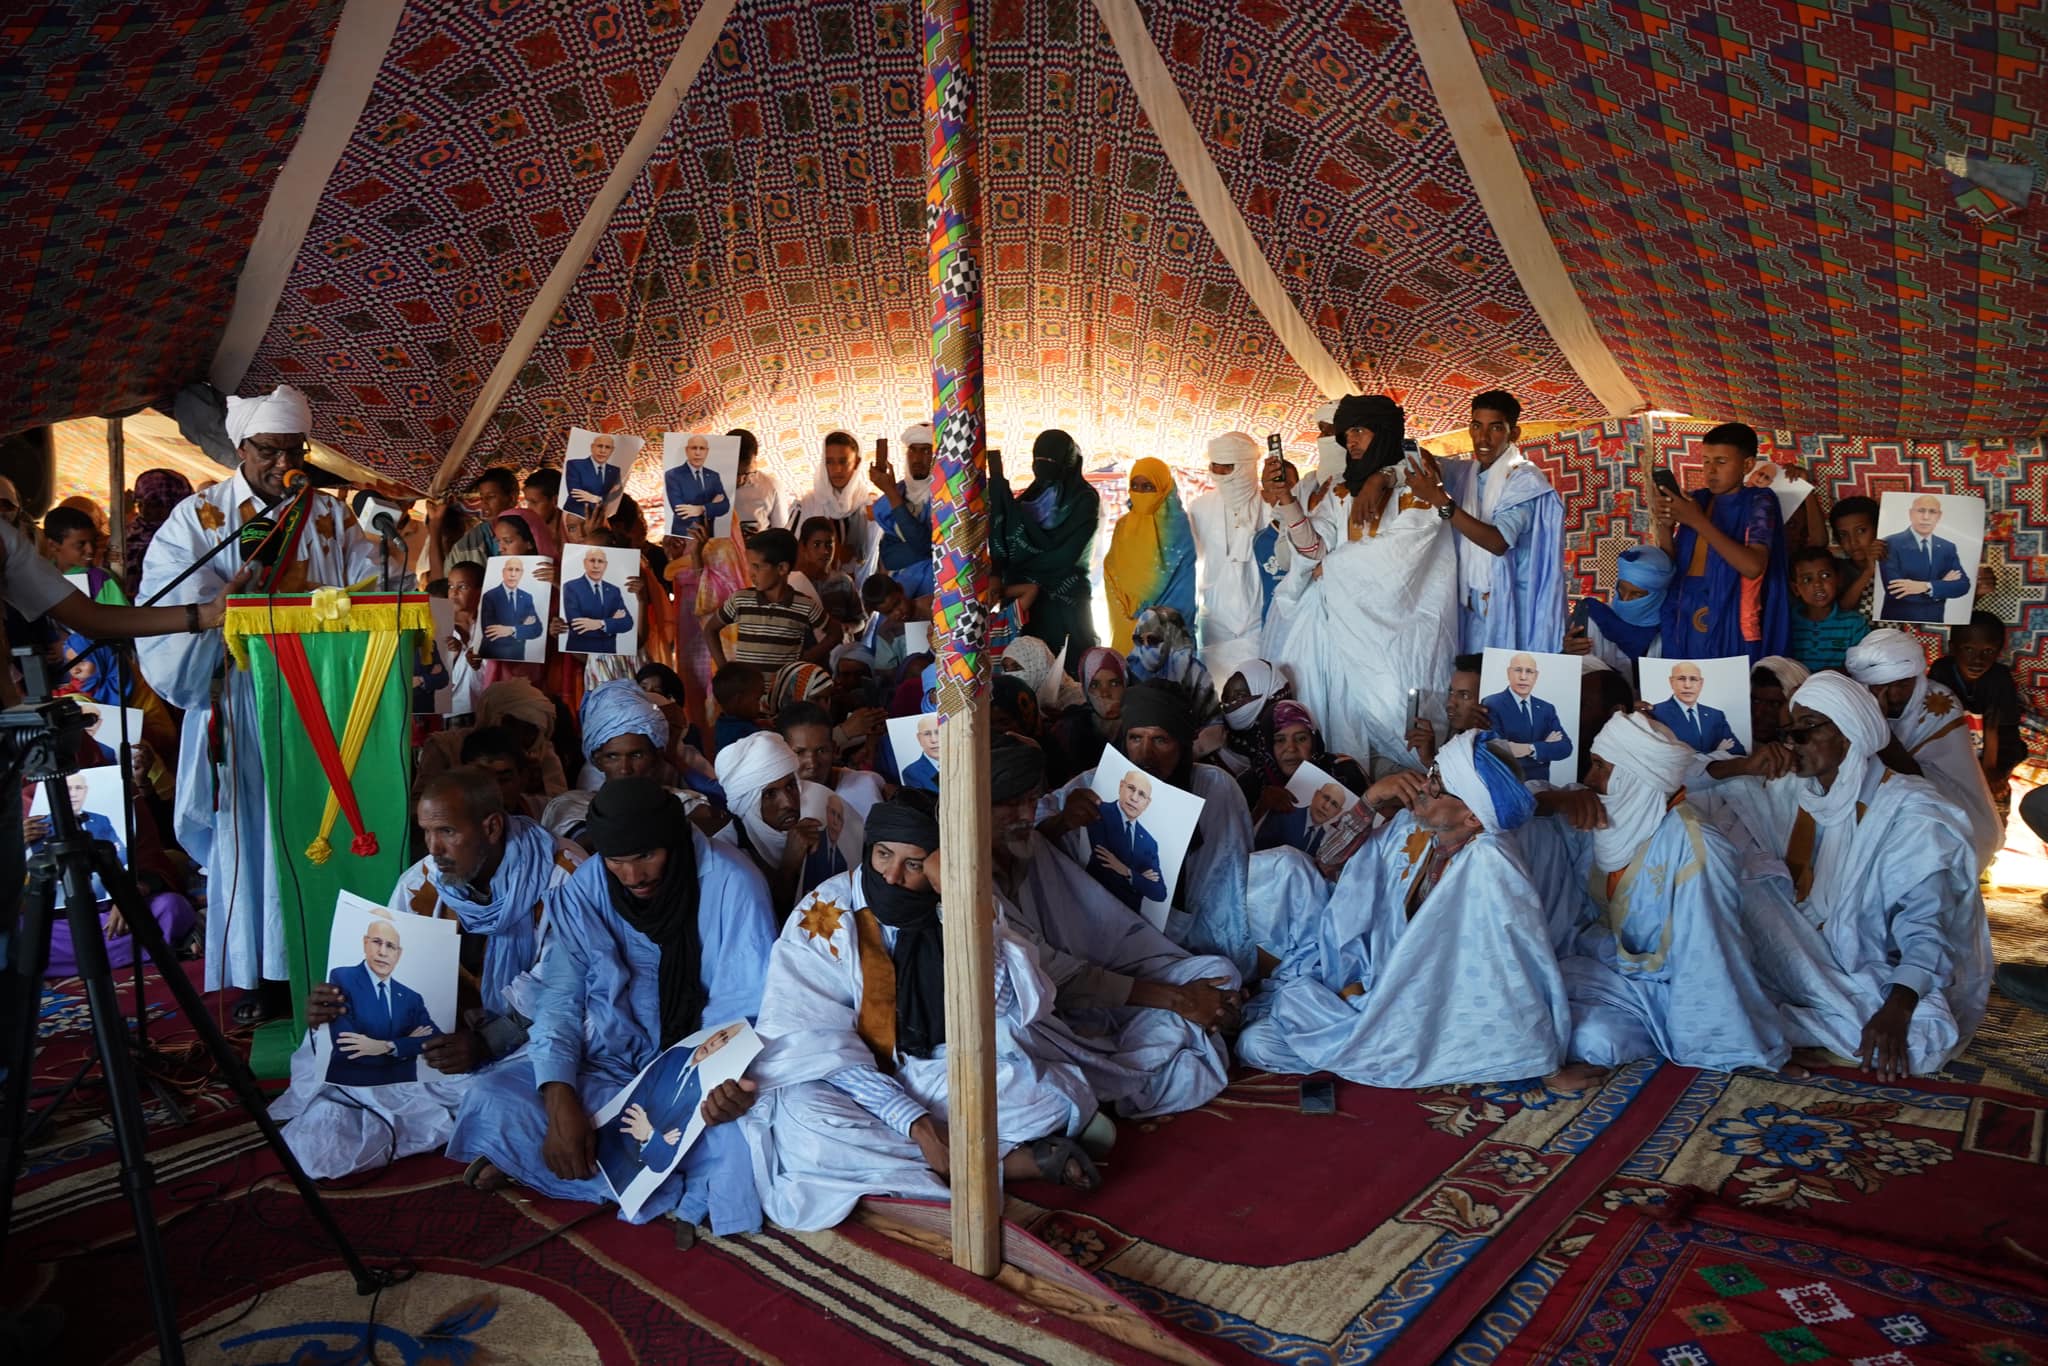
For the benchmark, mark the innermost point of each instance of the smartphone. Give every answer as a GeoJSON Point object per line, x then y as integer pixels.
{"type": "Point", "coordinates": [1667, 481]}
{"type": "Point", "coordinates": [881, 448]}
{"type": "Point", "coordinates": [1414, 706]}
{"type": "Point", "coordinates": [1580, 610]}
{"type": "Point", "coordinates": [1318, 1096]}
{"type": "Point", "coordinates": [1273, 446]}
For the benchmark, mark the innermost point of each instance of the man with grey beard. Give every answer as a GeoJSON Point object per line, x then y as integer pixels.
{"type": "Point", "coordinates": [1135, 1013]}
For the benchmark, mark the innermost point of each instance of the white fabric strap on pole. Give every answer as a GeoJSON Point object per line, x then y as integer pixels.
{"type": "Point", "coordinates": [354, 56]}
{"type": "Point", "coordinates": [654, 121]}
{"type": "Point", "coordinates": [1490, 159]}
{"type": "Point", "coordinates": [1161, 101]}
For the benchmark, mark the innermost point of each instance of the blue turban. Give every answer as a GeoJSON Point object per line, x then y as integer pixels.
{"type": "Point", "coordinates": [621, 707]}
{"type": "Point", "coordinates": [1650, 569]}
{"type": "Point", "coordinates": [1476, 776]}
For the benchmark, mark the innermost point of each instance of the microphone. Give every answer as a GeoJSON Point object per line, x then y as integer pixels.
{"type": "Point", "coordinates": [376, 516]}
{"type": "Point", "coordinates": [295, 480]}
{"type": "Point", "coordinates": [258, 541]}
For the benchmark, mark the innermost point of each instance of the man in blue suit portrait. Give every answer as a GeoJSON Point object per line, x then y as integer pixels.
{"type": "Point", "coordinates": [696, 494]}
{"type": "Point", "coordinates": [509, 614]}
{"type": "Point", "coordinates": [1529, 724]}
{"type": "Point", "coordinates": [648, 1134]}
{"type": "Point", "coordinates": [1922, 571]}
{"type": "Point", "coordinates": [595, 610]}
{"type": "Point", "coordinates": [922, 772]}
{"type": "Point", "coordinates": [1705, 728]}
{"type": "Point", "coordinates": [383, 1022]}
{"type": "Point", "coordinates": [1123, 855]}
{"type": "Point", "coordinates": [595, 483]}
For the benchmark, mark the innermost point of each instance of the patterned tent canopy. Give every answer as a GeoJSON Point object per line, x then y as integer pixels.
{"type": "Point", "coordinates": [1819, 217]}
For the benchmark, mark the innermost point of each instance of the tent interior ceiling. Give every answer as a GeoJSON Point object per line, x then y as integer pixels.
{"type": "Point", "coordinates": [1800, 215]}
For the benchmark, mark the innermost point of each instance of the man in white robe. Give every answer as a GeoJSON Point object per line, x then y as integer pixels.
{"type": "Point", "coordinates": [1432, 965]}
{"type": "Point", "coordinates": [1930, 731]}
{"type": "Point", "coordinates": [1225, 521]}
{"type": "Point", "coordinates": [1210, 910]}
{"type": "Point", "coordinates": [853, 1087]}
{"type": "Point", "coordinates": [222, 815]}
{"type": "Point", "coordinates": [1137, 1014]}
{"type": "Point", "coordinates": [1660, 964]}
{"type": "Point", "coordinates": [492, 872]}
{"type": "Point", "coordinates": [1369, 612]}
{"type": "Point", "coordinates": [1861, 893]}
{"type": "Point", "coordinates": [797, 833]}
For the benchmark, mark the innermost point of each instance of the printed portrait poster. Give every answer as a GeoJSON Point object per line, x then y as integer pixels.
{"type": "Point", "coordinates": [512, 614]}
{"type": "Point", "coordinates": [397, 974]}
{"type": "Point", "coordinates": [1933, 544]}
{"type": "Point", "coordinates": [644, 1131]}
{"type": "Point", "coordinates": [449, 654]}
{"type": "Point", "coordinates": [1337, 819]}
{"type": "Point", "coordinates": [843, 825]}
{"type": "Point", "coordinates": [110, 724]}
{"type": "Point", "coordinates": [594, 473]}
{"type": "Point", "coordinates": [1135, 845]}
{"type": "Point", "coordinates": [914, 741]}
{"type": "Point", "coordinates": [1704, 702]}
{"type": "Point", "coordinates": [699, 471]}
{"type": "Point", "coordinates": [1533, 700]}
{"type": "Point", "coordinates": [603, 617]}
{"type": "Point", "coordinates": [94, 792]}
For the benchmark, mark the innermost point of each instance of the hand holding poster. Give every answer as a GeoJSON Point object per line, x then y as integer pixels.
{"type": "Point", "coordinates": [645, 1130]}
{"type": "Point", "coordinates": [1337, 820]}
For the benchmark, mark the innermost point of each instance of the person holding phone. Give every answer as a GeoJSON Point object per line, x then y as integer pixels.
{"type": "Point", "coordinates": [1728, 543]}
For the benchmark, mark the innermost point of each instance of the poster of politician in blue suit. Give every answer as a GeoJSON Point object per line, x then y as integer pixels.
{"type": "Point", "coordinates": [698, 474]}
{"type": "Point", "coordinates": [598, 605]}
{"type": "Point", "coordinates": [1704, 702]}
{"type": "Point", "coordinates": [388, 1011]}
{"type": "Point", "coordinates": [1139, 836]}
{"type": "Point", "coordinates": [1537, 725]}
{"type": "Point", "coordinates": [594, 474]}
{"type": "Point", "coordinates": [644, 1130]}
{"type": "Point", "coordinates": [1933, 543]}
{"type": "Point", "coordinates": [512, 615]}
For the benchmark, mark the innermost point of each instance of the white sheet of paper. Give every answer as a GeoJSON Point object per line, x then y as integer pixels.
{"type": "Point", "coordinates": [114, 723]}
{"type": "Point", "coordinates": [917, 638]}
{"type": "Point", "coordinates": [728, 1061]}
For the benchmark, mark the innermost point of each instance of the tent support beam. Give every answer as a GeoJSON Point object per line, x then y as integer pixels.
{"type": "Point", "coordinates": [597, 217]}
{"type": "Point", "coordinates": [961, 530]}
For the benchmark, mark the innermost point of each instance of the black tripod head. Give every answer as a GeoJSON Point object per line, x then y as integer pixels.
{"type": "Point", "coordinates": [39, 741]}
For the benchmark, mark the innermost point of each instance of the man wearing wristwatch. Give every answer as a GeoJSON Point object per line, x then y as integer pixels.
{"type": "Point", "coordinates": [221, 801]}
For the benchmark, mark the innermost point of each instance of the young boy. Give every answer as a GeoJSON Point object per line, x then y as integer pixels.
{"type": "Point", "coordinates": [740, 691]}
{"type": "Point", "coordinates": [1972, 672]}
{"type": "Point", "coordinates": [777, 624]}
{"type": "Point", "coordinates": [69, 538]}
{"type": "Point", "coordinates": [1854, 521]}
{"type": "Point", "coordinates": [881, 593]}
{"type": "Point", "coordinates": [1728, 545]}
{"type": "Point", "coordinates": [1822, 629]}
{"type": "Point", "coordinates": [817, 554]}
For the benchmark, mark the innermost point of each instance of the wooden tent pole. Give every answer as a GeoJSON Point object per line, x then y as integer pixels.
{"type": "Point", "coordinates": [959, 622]}
{"type": "Point", "coordinates": [117, 496]}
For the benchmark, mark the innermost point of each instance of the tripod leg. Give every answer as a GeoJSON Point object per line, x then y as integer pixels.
{"type": "Point", "coordinates": [149, 937]}
{"type": "Point", "coordinates": [30, 952]}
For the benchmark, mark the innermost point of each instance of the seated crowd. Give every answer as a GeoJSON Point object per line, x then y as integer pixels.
{"type": "Point", "coordinates": [719, 830]}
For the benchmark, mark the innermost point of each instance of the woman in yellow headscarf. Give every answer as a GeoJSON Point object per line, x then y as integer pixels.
{"type": "Point", "coordinates": [1151, 559]}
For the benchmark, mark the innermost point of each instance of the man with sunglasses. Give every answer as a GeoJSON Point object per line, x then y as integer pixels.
{"type": "Point", "coordinates": [221, 801]}
{"type": "Point", "coordinates": [1432, 965]}
{"type": "Point", "coordinates": [1863, 909]}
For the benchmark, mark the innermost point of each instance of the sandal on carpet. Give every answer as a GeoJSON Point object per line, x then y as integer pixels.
{"type": "Point", "coordinates": [483, 1175]}
{"type": "Point", "coordinates": [1055, 1154]}
{"type": "Point", "coordinates": [252, 1009]}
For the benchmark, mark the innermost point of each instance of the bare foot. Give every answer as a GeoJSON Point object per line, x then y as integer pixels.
{"type": "Point", "coordinates": [1575, 1077]}
{"type": "Point", "coordinates": [484, 1175]}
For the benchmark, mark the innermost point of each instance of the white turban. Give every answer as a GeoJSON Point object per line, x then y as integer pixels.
{"type": "Point", "coordinates": [1234, 448]}
{"type": "Point", "coordinates": [1856, 714]}
{"type": "Point", "coordinates": [1650, 763]}
{"type": "Point", "coordinates": [1477, 777]}
{"type": "Point", "coordinates": [1329, 449]}
{"type": "Point", "coordinates": [1790, 673]}
{"type": "Point", "coordinates": [283, 410]}
{"type": "Point", "coordinates": [746, 768]}
{"type": "Point", "coordinates": [1885, 656]}
{"type": "Point", "coordinates": [919, 434]}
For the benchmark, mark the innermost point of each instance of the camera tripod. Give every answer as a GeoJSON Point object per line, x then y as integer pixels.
{"type": "Point", "coordinates": [36, 742]}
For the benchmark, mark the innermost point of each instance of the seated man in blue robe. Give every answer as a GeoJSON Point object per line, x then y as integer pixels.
{"type": "Point", "coordinates": [663, 931]}
{"type": "Point", "coordinates": [1528, 724]}
{"type": "Point", "coordinates": [1661, 966]}
{"type": "Point", "coordinates": [509, 616]}
{"type": "Point", "coordinates": [595, 610]}
{"type": "Point", "coordinates": [380, 1031]}
{"type": "Point", "coordinates": [1432, 964]}
{"type": "Point", "coordinates": [492, 872]}
{"type": "Point", "coordinates": [1704, 728]}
